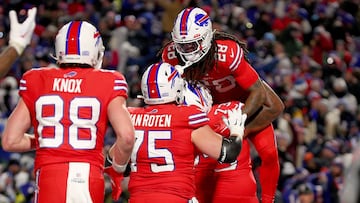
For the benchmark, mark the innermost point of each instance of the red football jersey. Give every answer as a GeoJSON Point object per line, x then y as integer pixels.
{"type": "Point", "coordinates": [209, 172]}
{"type": "Point", "coordinates": [216, 113]}
{"type": "Point", "coordinates": [68, 108]}
{"type": "Point", "coordinates": [231, 75]}
{"type": "Point", "coordinates": [163, 156]}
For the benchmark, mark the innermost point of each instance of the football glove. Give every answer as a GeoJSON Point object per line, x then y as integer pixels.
{"type": "Point", "coordinates": [236, 123]}
{"type": "Point", "coordinates": [21, 33]}
{"type": "Point", "coordinates": [115, 179]}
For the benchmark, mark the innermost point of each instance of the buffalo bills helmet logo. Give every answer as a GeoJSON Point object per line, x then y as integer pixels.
{"type": "Point", "coordinates": [202, 20]}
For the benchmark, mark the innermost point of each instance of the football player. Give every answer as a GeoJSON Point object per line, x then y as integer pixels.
{"type": "Point", "coordinates": [218, 60]}
{"type": "Point", "coordinates": [213, 179]}
{"type": "Point", "coordinates": [69, 110]}
{"type": "Point", "coordinates": [168, 136]}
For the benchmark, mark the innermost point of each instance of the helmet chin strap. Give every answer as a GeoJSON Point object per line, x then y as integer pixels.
{"type": "Point", "coordinates": [140, 97]}
{"type": "Point", "coordinates": [181, 68]}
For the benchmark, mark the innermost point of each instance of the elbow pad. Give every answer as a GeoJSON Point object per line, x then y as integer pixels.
{"type": "Point", "coordinates": [230, 149]}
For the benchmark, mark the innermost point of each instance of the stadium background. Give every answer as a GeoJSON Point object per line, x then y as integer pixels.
{"type": "Point", "coordinates": [307, 50]}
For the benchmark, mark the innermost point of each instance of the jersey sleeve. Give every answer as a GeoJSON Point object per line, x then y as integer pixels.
{"type": "Point", "coordinates": [247, 76]}
{"type": "Point", "coordinates": [232, 56]}
{"type": "Point", "coordinates": [196, 117]}
{"type": "Point", "coordinates": [120, 86]}
{"type": "Point", "coordinates": [168, 55]}
{"type": "Point", "coordinates": [28, 80]}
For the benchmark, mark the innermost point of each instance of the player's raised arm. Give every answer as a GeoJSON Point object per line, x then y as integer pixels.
{"type": "Point", "coordinates": [19, 37]}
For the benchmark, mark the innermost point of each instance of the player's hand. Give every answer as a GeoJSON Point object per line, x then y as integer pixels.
{"type": "Point", "coordinates": [236, 123]}
{"type": "Point", "coordinates": [116, 179]}
{"type": "Point", "coordinates": [21, 33]}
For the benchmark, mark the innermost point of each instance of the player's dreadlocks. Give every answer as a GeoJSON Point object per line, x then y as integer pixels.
{"type": "Point", "coordinates": [224, 35]}
{"type": "Point", "coordinates": [197, 71]}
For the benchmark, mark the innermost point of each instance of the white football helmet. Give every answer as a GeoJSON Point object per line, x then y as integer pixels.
{"type": "Point", "coordinates": [161, 83]}
{"type": "Point", "coordinates": [79, 42]}
{"type": "Point", "coordinates": [192, 34]}
{"type": "Point", "coordinates": [196, 94]}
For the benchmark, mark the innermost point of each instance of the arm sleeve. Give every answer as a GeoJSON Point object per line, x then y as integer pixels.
{"type": "Point", "coordinates": [245, 75]}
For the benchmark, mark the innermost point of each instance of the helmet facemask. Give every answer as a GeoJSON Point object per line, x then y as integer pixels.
{"type": "Point", "coordinates": [195, 94]}
{"type": "Point", "coordinates": [98, 62]}
{"type": "Point", "coordinates": [193, 51]}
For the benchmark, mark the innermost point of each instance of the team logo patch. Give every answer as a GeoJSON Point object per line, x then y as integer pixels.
{"type": "Point", "coordinates": [202, 20]}
{"type": "Point", "coordinates": [70, 74]}
{"type": "Point", "coordinates": [154, 111]}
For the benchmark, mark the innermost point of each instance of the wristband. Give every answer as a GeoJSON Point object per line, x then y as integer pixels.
{"type": "Point", "coordinates": [118, 168]}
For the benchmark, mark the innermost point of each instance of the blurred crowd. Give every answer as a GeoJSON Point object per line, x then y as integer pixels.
{"type": "Point", "coordinates": [308, 51]}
